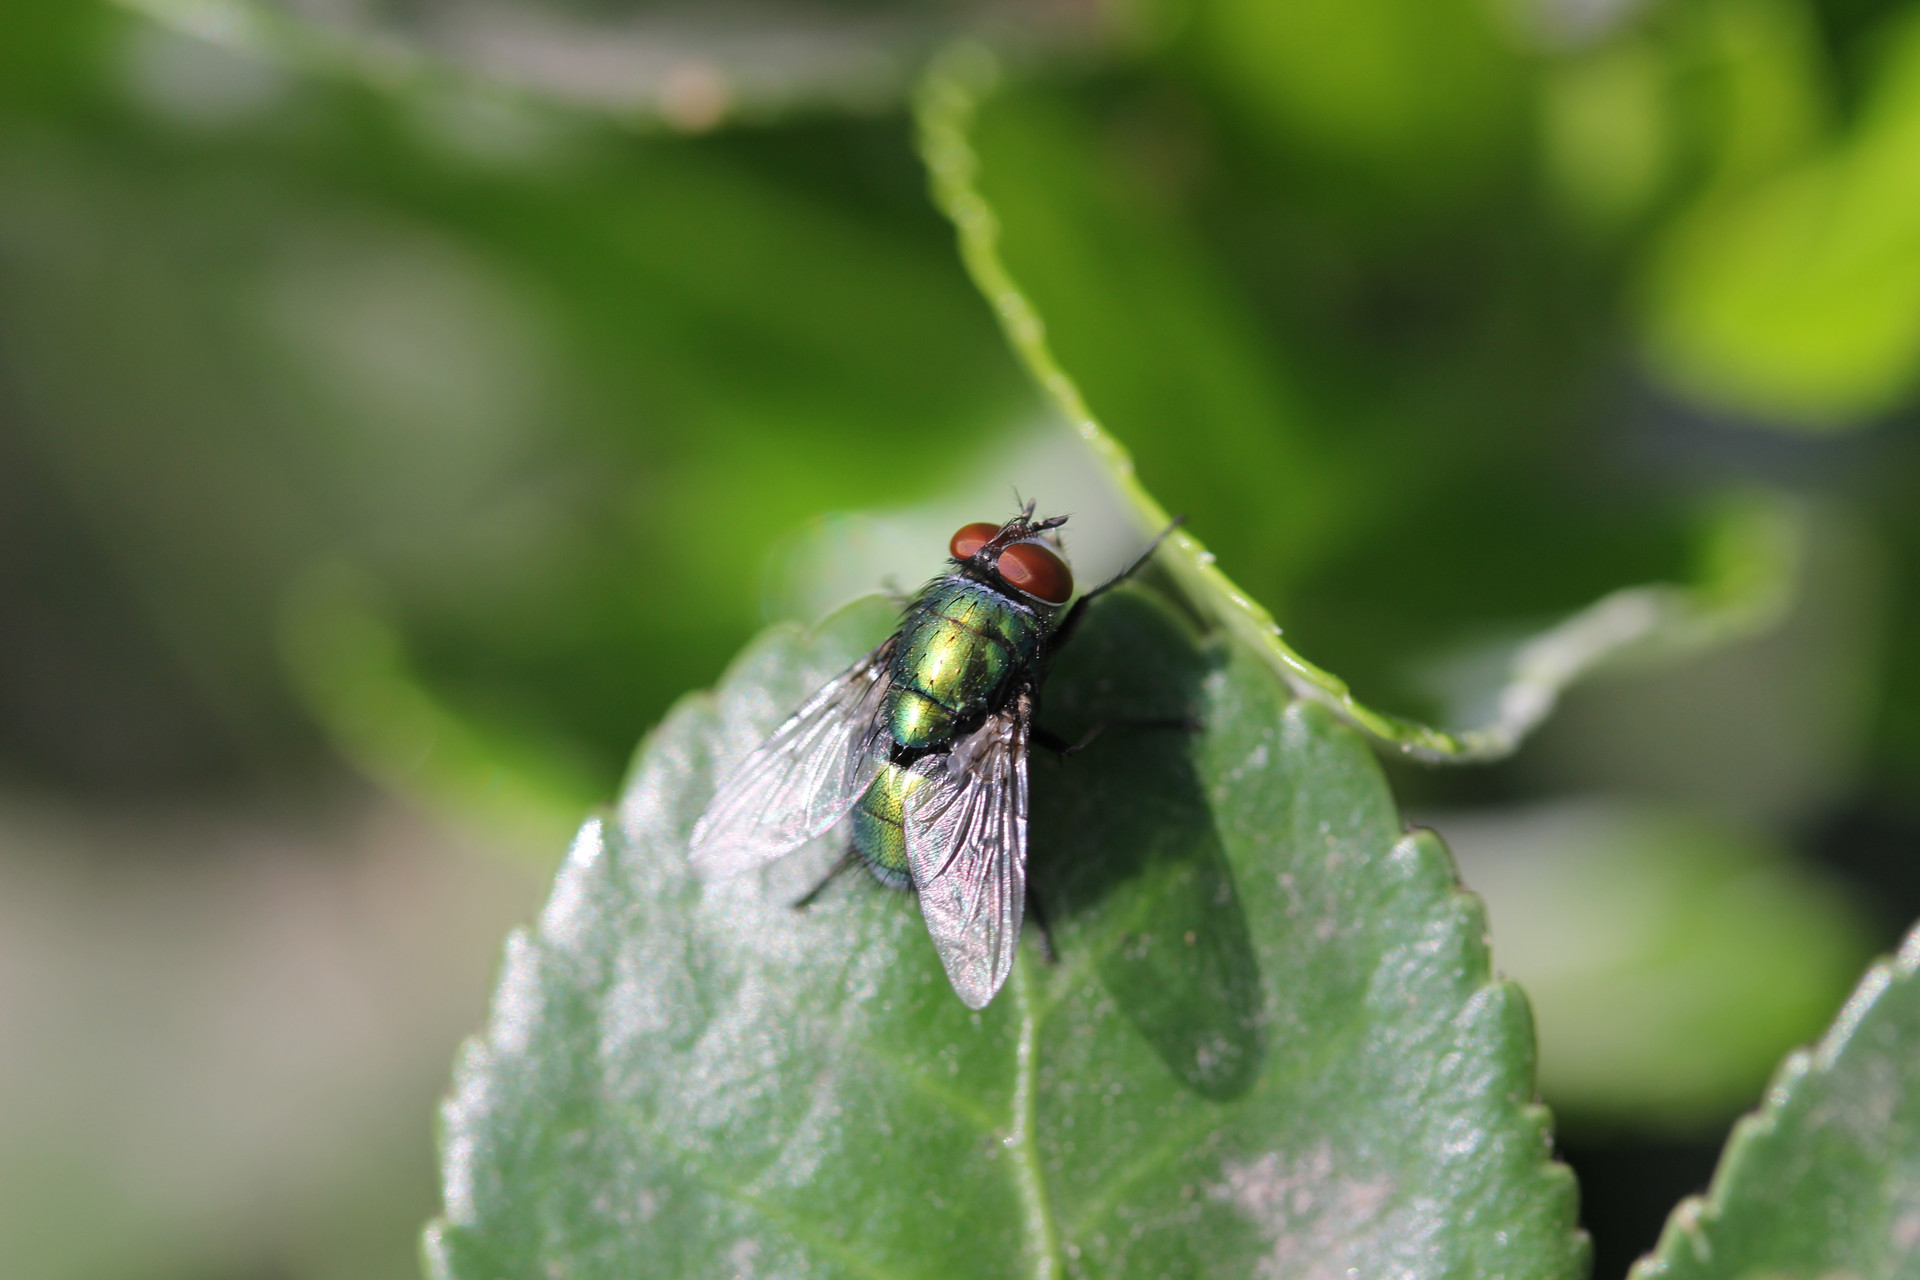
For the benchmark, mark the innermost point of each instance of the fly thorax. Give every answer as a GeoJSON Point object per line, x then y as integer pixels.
{"type": "Point", "coordinates": [961, 645]}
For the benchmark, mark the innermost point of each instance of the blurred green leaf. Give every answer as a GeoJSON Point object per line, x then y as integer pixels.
{"type": "Point", "coordinates": [1639, 103]}
{"type": "Point", "coordinates": [1824, 1179]}
{"type": "Point", "coordinates": [1415, 100]}
{"type": "Point", "coordinates": [1795, 298]}
{"type": "Point", "coordinates": [554, 397]}
{"type": "Point", "coordinates": [1607, 131]}
{"type": "Point", "coordinates": [1756, 78]}
{"type": "Point", "coordinates": [523, 791]}
{"type": "Point", "coordinates": [1771, 728]}
{"type": "Point", "coordinates": [1269, 1043]}
{"type": "Point", "coordinates": [1749, 575]}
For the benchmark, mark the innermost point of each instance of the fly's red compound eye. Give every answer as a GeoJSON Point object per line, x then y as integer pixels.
{"type": "Point", "coordinates": [1035, 569]}
{"type": "Point", "coordinates": [970, 539]}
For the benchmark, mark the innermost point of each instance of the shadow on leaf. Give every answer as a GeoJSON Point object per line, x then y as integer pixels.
{"type": "Point", "coordinates": [1126, 862]}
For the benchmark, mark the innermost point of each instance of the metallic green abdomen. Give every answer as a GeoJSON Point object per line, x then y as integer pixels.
{"type": "Point", "coordinates": [879, 824]}
{"type": "Point", "coordinates": [961, 643]}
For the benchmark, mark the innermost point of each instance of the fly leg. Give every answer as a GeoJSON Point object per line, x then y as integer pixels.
{"type": "Point", "coordinates": [1065, 630]}
{"type": "Point", "coordinates": [805, 900]}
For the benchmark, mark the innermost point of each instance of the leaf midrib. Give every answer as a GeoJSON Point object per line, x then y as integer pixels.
{"type": "Point", "coordinates": [1043, 1239]}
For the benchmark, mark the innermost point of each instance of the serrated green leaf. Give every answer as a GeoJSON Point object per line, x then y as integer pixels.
{"type": "Point", "coordinates": [1268, 1045]}
{"type": "Point", "coordinates": [1824, 1179]}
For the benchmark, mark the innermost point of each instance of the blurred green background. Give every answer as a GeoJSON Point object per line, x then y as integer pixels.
{"type": "Point", "coordinates": [403, 401]}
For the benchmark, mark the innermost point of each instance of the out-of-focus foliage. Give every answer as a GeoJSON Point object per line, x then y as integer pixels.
{"type": "Point", "coordinates": [554, 388]}
{"type": "Point", "coordinates": [437, 381]}
{"type": "Point", "coordinates": [1791, 290]}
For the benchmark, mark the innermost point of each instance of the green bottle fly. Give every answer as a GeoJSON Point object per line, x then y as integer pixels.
{"type": "Point", "coordinates": [961, 646]}
{"type": "Point", "coordinates": [923, 745]}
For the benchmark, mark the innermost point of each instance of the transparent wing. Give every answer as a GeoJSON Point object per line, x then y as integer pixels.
{"type": "Point", "coordinates": [967, 851]}
{"type": "Point", "coordinates": [802, 779]}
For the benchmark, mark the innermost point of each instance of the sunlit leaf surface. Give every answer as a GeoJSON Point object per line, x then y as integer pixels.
{"type": "Point", "coordinates": [1823, 1180]}
{"type": "Point", "coordinates": [1268, 1044]}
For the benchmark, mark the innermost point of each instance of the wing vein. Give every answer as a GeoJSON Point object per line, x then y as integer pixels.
{"type": "Point", "coordinates": [802, 780]}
